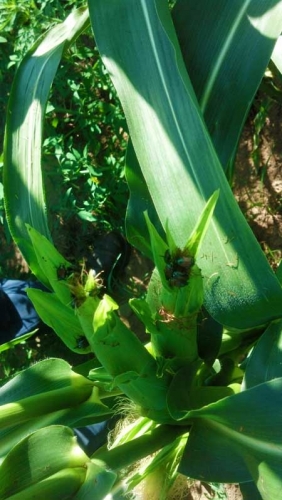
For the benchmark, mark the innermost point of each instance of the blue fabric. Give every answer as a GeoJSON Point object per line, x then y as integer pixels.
{"type": "Point", "coordinates": [90, 438]}
{"type": "Point", "coordinates": [17, 314]}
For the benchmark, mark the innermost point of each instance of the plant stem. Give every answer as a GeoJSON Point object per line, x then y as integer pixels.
{"type": "Point", "coordinates": [128, 453]}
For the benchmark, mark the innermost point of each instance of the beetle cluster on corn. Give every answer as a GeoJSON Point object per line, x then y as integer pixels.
{"type": "Point", "coordinates": [177, 268]}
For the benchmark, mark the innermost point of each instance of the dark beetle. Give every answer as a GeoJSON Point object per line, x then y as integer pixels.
{"type": "Point", "coordinates": [82, 342]}
{"type": "Point", "coordinates": [177, 269]}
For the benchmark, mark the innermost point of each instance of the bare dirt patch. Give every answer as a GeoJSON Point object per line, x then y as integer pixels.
{"type": "Point", "coordinates": [258, 188]}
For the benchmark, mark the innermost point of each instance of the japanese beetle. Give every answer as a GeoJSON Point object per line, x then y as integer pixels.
{"type": "Point", "coordinates": [82, 342]}
{"type": "Point", "coordinates": [177, 268]}
{"type": "Point", "coordinates": [178, 279]}
{"type": "Point", "coordinates": [185, 262]}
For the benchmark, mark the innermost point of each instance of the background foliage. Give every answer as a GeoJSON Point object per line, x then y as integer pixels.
{"type": "Point", "coordinates": [85, 139]}
{"type": "Point", "coordinates": [83, 153]}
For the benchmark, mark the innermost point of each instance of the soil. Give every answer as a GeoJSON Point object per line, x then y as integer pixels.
{"type": "Point", "coordinates": [257, 186]}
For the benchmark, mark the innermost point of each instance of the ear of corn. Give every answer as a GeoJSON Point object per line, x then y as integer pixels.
{"type": "Point", "coordinates": [85, 313]}
{"type": "Point", "coordinates": [175, 293]}
{"type": "Point", "coordinates": [130, 364]}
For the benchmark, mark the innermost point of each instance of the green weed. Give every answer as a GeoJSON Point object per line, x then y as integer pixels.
{"type": "Point", "coordinates": [85, 130]}
{"type": "Point", "coordinates": [218, 492]}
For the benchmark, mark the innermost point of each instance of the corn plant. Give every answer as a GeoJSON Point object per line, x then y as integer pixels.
{"type": "Point", "coordinates": [206, 389]}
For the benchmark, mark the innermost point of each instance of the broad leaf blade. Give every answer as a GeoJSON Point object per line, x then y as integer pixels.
{"type": "Point", "coordinates": [209, 456]}
{"type": "Point", "coordinates": [40, 461]}
{"type": "Point", "coordinates": [139, 202]}
{"type": "Point", "coordinates": [267, 476]}
{"type": "Point", "coordinates": [23, 186]}
{"type": "Point", "coordinates": [36, 383]}
{"type": "Point", "coordinates": [237, 430]}
{"type": "Point", "coordinates": [226, 48]}
{"type": "Point", "coordinates": [11, 343]}
{"type": "Point", "coordinates": [265, 361]}
{"type": "Point", "coordinates": [49, 262]}
{"type": "Point", "coordinates": [34, 470]}
{"type": "Point", "coordinates": [250, 491]}
{"type": "Point", "coordinates": [177, 158]}
{"type": "Point", "coordinates": [60, 317]}
{"type": "Point", "coordinates": [277, 54]}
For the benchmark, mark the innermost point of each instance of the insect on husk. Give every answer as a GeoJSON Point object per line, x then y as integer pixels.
{"type": "Point", "coordinates": [84, 285]}
{"type": "Point", "coordinates": [81, 342]}
{"type": "Point", "coordinates": [178, 268]}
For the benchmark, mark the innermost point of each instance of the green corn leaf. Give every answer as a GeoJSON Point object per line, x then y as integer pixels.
{"type": "Point", "coordinates": [180, 399]}
{"type": "Point", "coordinates": [85, 314]}
{"type": "Point", "coordinates": [203, 222]}
{"type": "Point", "coordinates": [139, 447]}
{"type": "Point", "coordinates": [41, 461]}
{"type": "Point", "coordinates": [49, 261]}
{"type": "Point", "coordinates": [68, 480]}
{"type": "Point", "coordinates": [44, 388]}
{"type": "Point", "coordinates": [161, 471]}
{"type": "Point", "coordinates": [178, 161]}
{"type": "Point", "coordinates": [61, 318]}
{"type": "Point", "coordinates": [49, 393]}
{"type": "Point", "coordinates": [12, 343]}
{"type": "Point", "coordinates": [226, 48]}
{"type": "Point", "coordinates": [250, 491]}
{"type": "Point", "coordinates": [208, 447]}
{"type": "Point", "coordinates": [47, 375]}
{"type": "Point", "coordinates": [277, 54]}
{"type": "Point", "coordinates": [88, 412]}
{"type": "Point", "coordinates": [268, 480]}
{"type": "Point", "coordinates": [47, 471]}
{"type": "Point", "coordinates": [143, 312]}
{"type": "Point", "coordinates": [117, 348]}
{"type": "Point", "coordinates": [265, 362]}
{"type": "Point", "coordinates": [140, 202]}
{"type": "Point", "coordinates": [183, 393]}
{"type": "Point", "coordinates": [209, 337]}
{"type": "Point", "coordinates": [23, 186]}
{"type": "Point", "coordinates": [11, 436]}
{"type": "Point", "coordinates": [238, 438]}
{"type": "Point", "coordinates": [99, 482]}
{"type": "Point", "coordinates": [130, 364]}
